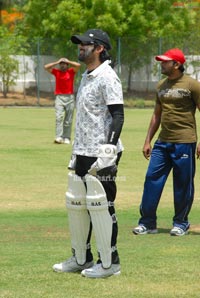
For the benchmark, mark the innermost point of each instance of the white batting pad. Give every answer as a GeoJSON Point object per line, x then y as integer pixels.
{"type": "Point", "coordinates": [97, 205]}
{"type": "Point", "coordinates": [79, 219]}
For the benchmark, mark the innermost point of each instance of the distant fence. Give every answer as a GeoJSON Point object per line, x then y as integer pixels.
{"type": "Point", "coordinates": [134, 63]}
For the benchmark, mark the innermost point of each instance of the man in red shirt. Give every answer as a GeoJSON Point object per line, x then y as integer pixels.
{"type": "Point", "coordinates": [64, 92]}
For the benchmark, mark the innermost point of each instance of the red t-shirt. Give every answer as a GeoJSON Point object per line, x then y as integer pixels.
{"type": "Point", "coordinates": [64, 81]}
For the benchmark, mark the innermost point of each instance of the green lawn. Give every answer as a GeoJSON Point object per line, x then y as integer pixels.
{"type": "Point", "coordinates": [33, 220]}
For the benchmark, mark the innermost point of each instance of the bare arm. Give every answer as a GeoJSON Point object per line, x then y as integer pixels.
{"type": "Point", "coordinates": [48, 67]}
{"type": "Point", "coordinates": [153, 127]}
{"type": "Point", "coordinates": [198, 146]}
{"type": "Point", "coordinates": [75, 65]}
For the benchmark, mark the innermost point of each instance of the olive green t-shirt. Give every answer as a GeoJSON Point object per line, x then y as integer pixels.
{"type": "Point", "coordinates": [178, 99]}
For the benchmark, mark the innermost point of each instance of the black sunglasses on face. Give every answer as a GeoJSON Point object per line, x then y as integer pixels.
{"type": "Point", "coordinates": [86, 43]}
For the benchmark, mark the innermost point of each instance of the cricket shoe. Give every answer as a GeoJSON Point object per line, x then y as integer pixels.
{"type": "Point", "coordinates": [176, 231]}
{"type": "Point", "coordinates": [142, 230]}
{"type": "Point", "coordinates": [59, 140]}
{"type": "Point", "coordinates": [71, 265]}
{"type": "Point", "coordinates": [97, 271]}
{"type": "Point", "coordinates": [66, 141]}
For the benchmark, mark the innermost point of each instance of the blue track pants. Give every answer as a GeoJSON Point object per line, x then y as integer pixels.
{"type": "Point", "coordinates": [181, 159]}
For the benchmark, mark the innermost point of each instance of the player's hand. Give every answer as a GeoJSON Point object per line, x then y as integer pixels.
{"type": "Point", "coordinates": [106, 162]}
{"type": "Point", "coordinates": [147, 150]}
{"type": "Point", "coordinates": [65, 60]}
{"type": "Point", "coordinates": [198, 151]}
{"type": "Point", "coordinates": [72, 162]}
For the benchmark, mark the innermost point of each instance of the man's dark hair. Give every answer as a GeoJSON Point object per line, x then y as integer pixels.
{"type": "Point", "coordinates": [181, 67]}
{"type": "Point", "coordinates": [104, 55]}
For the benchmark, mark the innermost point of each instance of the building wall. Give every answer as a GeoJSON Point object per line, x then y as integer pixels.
{"type": "Point", "coordinates": [33, 75]}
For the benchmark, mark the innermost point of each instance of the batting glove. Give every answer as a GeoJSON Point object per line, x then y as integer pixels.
{"type": "Point", "coordinates": [72, 163]}
{"type": "Point", "coordinates": [106, 161]}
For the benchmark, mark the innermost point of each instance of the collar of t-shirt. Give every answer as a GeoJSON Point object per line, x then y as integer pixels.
{"type": "Point", "coordinates": [97, 70]}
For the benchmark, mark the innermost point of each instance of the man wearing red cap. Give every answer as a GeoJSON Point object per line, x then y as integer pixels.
{"type": "Point", "coordinates": [177, 97]}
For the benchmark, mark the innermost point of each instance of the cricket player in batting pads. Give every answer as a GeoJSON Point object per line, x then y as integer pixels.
{"type": "Point", "coordinates": [97, 148]}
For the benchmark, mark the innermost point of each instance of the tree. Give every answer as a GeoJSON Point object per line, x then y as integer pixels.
{"type": "Point", "coordinates": [139, 18]}
{"type": "Point", "coordinates": [140, 23]}
{"type": "Point", "coordinates": [8, 71]}
{"type": "Point", "coordinates": [153, 26]}
{"type": "Point", "coordinates": [61, 19]}
{"type": "Point", "coordinates": [9, 66]}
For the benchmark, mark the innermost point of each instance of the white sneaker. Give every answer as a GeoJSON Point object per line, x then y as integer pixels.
{"type": "Point", "coordinates": [71, 265]}
{"type": "Point", "coordinates": [66, 141]}
{"type": "Point", "coordinates": [97, 271]}
{"type": "Point", "coordinates": [176, 231]}
{"type": "Point", "coordinates": [142, 230]}
{"type": "Point", "coordinates": [59, 140]}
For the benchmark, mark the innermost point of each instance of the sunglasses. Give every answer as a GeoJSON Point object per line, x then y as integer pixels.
{"type": "Point", "coordinates": [87, 43]}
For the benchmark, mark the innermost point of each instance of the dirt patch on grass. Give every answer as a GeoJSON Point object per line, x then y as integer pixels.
{"type": "Point", "coordinates": [32, 98]}
{"type": "Point", "coordinates": [19, 99]}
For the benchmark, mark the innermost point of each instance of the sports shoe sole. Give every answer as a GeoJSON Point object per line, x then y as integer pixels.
{"type": "Point", "coordinates": [183, 234]}
{"type": "Point", "coordinates": [58, 142]}
{"type": "Point", "coordinates": [72, 269]}
{"type": "Point", "coordinates": [155, 231]}
{"type": "Point", "coordinates": [102, 276]}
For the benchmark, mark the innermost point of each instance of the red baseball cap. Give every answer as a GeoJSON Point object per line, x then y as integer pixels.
{"type": "Point", "coordinates": [173, 54]}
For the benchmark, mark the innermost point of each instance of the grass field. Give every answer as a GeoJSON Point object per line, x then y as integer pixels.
{"type": "Point", "coordinates": [33, 220]}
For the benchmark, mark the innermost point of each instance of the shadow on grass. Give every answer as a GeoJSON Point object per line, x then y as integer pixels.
{"type": "Point", "coordinates": [194, 230]}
